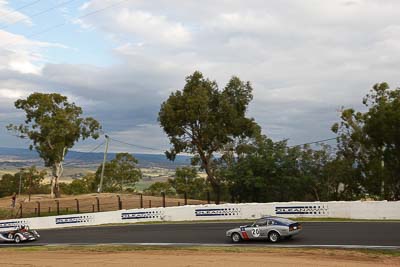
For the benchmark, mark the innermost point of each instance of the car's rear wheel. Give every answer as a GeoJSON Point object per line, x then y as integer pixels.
{"type": "Point", "coordinates": [235, 238]}
{"type": "Point", "coordinates": [17, 239]}
{"type": "Point", "coordinates": [273, 237]}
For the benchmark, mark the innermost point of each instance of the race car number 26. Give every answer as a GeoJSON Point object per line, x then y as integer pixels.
{"type": "Point", "coordinates": [255, 232]}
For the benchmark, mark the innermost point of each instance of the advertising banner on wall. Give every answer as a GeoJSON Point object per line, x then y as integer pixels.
{"type": "Point", "coordinates": [246, 211]}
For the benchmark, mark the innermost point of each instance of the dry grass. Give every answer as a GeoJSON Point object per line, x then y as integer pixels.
{"type": "Point", "coordinates": [88, 203]}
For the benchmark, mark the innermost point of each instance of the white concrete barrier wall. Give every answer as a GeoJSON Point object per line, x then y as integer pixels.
{"type": "Point", "coordinates": [350, 210]}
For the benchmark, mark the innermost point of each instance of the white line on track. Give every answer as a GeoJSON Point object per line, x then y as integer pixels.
{"type": "Point", "coordinates": [206, 245]}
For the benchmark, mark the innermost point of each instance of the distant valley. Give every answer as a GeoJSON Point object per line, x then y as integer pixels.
{"type": "Point", "coordinates": [154, 167]}
{"type": "Point", "coordinates": [19, 157]}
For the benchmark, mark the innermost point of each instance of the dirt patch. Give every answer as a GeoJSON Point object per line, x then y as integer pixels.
{"type": "Point", "coordinates": [167, 258]}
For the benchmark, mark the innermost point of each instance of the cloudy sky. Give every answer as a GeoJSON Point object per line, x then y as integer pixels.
{"type": "Point", "coordinates": [120, 59]}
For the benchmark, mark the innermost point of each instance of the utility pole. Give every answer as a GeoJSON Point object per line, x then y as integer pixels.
{"type": "Point", "coordinates": [383, 173]}
{"type": "Point", "coordinates": [104, 164]}
{"type": "Point", "coordinates": [30, 186]}
{"type": "Point", "coordinates": [20, 182]}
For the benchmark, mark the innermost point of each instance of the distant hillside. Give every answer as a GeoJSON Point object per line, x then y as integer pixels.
{"type": "Point", "coordinates": [20, 157]}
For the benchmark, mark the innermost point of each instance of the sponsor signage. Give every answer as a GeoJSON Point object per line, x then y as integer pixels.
{"type": "Point", "coordinates": [74, 219]}
{"type": "Point", "coordinates": [303, 210]}
{"type": "Point", "coordinates": [141, 215]}
{"type": "Point", "coordinates": [217, 212]}
{"type": "Point", "coordinates": [12, 224]}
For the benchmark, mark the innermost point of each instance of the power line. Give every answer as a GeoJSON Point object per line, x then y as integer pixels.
{"type": "Point", "coordinates": [82, 155]}
{"type": "Point", "coordinates": [40, 12]}
{"type": "Point", "coordinates": [101, 9]}
{"type": "Point", "coordinates": [25, 6]}
{"type": "Point", "coordinates": [94, 149]}
{"type": "Point", "coordinates": [315, 142]}
{"type": "Point", "coordinates": [137, 146]}
{"type": "Point", "coordinates": [154, 149]}
{"type": "Point", "coordinates": [21, 8]}
{"type": "Point", "coordinates": [64, 23]}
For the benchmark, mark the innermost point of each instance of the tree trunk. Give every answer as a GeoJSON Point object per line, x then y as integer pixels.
{"type": "Point", "coordinates": [210, 176]}
{"type": "Point", "coordinates": [30, 186]}
{"type": "Point", "coordinates": [52, 186]}
{"type": "Point", "coordinates": [316, 194]}
{"type": "Point", "coordinates": [56, 174]}
{"type": "Point", "coordinates": [214, 184]}
{"type": "Point", "coordinates": [217, 191]}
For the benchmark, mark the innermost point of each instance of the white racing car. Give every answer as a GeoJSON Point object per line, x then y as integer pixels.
{"type": "Point", "coordinates": [269, 228]}
{"type": "Point", "coordinates": [20, 234]}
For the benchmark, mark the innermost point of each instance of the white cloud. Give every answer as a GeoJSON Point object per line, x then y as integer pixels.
{"type": "Point", "coordinates": [82, 24]}
{"type": "Point", "coordinates": [144, 26]}
{"type": "Point", "coordinates": [21, 54]}
{"type": "Point", "coordinates": [143, 138]}
{"type": "Point", "coordinates": [12, 94]}
{"type": "Point", "coordinates": [249, 22]}
{"type": "Point", "coordinates": [305, 59]}
{"type": "Point", "coordinates": [151, 27]}
{"type": "Point", "coordinates": [10, 16]}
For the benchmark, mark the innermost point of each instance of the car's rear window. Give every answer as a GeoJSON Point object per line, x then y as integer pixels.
{"type": "Point", "coordinates": [284, 220]}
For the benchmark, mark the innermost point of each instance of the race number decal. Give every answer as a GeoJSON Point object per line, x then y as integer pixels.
{"type": "Point", "coordinates": [255, 232]}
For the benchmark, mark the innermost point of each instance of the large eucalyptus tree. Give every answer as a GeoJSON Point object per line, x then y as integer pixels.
{"type": "Point", "coordinates": [203, 120]}
{"type": "Point", "coordinates": [53, 125]}
{"type": "Point", "coordinates": [372, 138]}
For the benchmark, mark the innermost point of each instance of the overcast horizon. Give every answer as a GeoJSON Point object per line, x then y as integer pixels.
{"type": "Point", "coordinates": [119, 60]}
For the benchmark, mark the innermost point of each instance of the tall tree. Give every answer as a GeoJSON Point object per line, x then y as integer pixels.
{"type": "Point", "coordinates": [53, 125]}
{"type": "Point", "coordinates": [157, 188]}
{"type": "Point", "coordinates": [373, 139]}
{"type": "Point", "coordinates": [202, 120]}
{"type": "Point", "coordinates": [186, 180]}
{"type": "Point", "coordinates": [31, 182]}
{"type": "Point", "coordinates": [87, 184]}
{"type": "Point", "coordinates": [120, 171]}
{"type": "Point", "coordinates": [263, 171]}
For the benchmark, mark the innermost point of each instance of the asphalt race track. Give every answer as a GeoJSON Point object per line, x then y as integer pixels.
{"type": "Point", "coordinates": [374, 234]}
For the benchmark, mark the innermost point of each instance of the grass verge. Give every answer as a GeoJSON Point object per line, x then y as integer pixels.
{"type": "Point", "coordinates": [127, 248]}
{"type": "Point", "coordinates": [243, 221]}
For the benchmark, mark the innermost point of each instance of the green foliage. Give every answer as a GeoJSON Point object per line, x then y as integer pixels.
{"type": "Point", "coordinates": [370, 141]}
{"type": "Point", "coordinates": [6, 214]}
{"type": "Point", "coordinates": [267, 171]}
{"type": "Point", "coordinates": [80, 186]}
{"type": "Point", "coordinates": [119, 173]}
{"type": "Point", "coordinates": [203, 120]}
{"type": "Point", "coordinates": [158, 187]}
{"type": "Point", "coordinates": [187, 180]}
{"type": "Point", "coordinates": [53, 125]}
{"type": "Point", "coordinates": [261, 171]}
{"type": "Point", "coordinates": [8, 185]}
{"type": "Point", "coordinates": [366, 164]}
{"type": "Point", "coordinates": [31, 181]}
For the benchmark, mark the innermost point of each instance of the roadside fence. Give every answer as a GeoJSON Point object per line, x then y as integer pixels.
{"type": "Point", "coordinates": [99, 203]}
